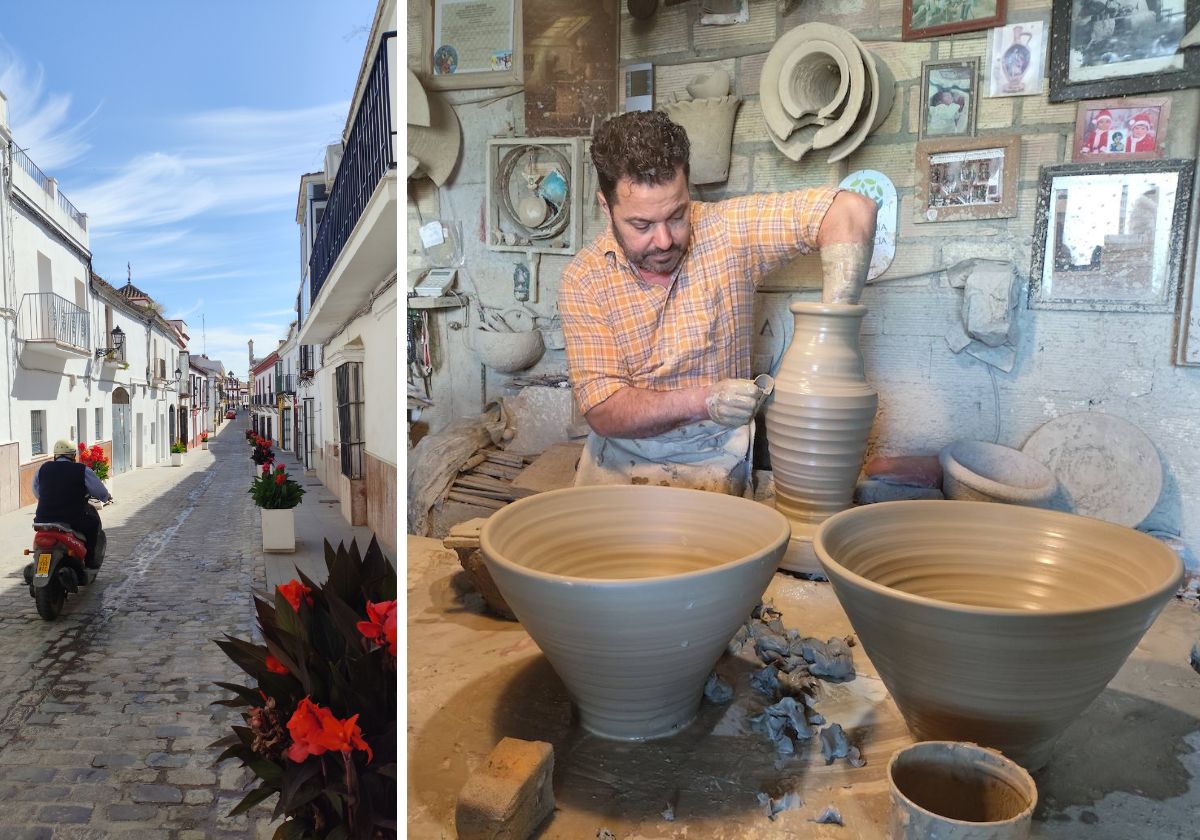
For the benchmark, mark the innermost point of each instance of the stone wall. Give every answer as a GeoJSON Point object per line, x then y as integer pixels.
{"type": "Point", "coordinates": [1112, 362]}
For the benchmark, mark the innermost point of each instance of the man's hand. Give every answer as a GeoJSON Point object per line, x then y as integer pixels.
{"type": "Point", "coordinates": [733, 402]}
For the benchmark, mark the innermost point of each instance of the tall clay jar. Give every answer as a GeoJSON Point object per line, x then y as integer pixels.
{"type": "Point", "coordinates": [819, 416]}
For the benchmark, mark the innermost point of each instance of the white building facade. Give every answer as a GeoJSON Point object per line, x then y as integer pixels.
{"type": "Point", "coordinates": [348, 300]}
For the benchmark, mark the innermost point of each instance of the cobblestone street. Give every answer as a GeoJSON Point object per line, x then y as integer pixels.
{"type": "Point", "coordinates": [106, 715]}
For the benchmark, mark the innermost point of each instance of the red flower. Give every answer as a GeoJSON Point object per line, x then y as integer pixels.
{"type": "Point", "coordinates": [266, 469]}
{"type": "Point", "coordinates": [275, 666]}
{"type": "Point", "coordinates": [280, 468]}
{"type": "Point", "coordinates": [293, 591]}
{"type": "Point", "coordinates": [315, 730]}
{"type": "Point", "coordinates": [280, 478]}
{"type": "Point", "coordinates": [382, 625]}
{"type": "Point", "coordinates": [82, 447]}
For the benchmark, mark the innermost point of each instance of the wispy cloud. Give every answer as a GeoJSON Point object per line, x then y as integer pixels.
{"type": "Point", "coordinates": [40, 121]}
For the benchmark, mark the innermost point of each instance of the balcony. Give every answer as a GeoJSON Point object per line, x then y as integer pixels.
{"type": "Point", "coordinates": [355, 246]}
{"type": "Point", "coordinates": [41, 193]}
{"type": "Point", "coordinates": [288, 384]}
{"type": "Point", "coordinates": [51, 324]}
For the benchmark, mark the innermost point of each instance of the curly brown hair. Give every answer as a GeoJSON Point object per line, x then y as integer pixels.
{"type": "Point", "coordinates": [643, 146]}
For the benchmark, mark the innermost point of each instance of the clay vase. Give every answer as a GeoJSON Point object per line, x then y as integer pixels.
{"type": "Point", "coordinates": [992, 623]}
{"type": "Point", "coordinates": [633, 592]}
{"type": "Point", "coordinates": [820, 415]}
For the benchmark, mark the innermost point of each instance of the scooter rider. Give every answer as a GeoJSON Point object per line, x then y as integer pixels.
{"type": "Point", "coordinates": [62, 487]}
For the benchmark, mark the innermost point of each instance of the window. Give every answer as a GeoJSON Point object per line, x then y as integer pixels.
{"type": "Point", "coordinates": [37, 432]}
{"type": "Point", "coordinates": [350, 403]}
{"type": "Point", "coordinates": [99, 424]}
{"type": "Point", "coordinates": [285, 429]}
{"type": "Point", "coordinates": [81, 424]}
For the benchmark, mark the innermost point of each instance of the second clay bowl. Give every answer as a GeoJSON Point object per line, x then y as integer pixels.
{"type": "Point", "coordinates": [992, 623]}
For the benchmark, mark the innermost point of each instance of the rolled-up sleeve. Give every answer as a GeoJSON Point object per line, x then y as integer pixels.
{"type": "Point", "coordinates": [771, 228]}
{"type": "Point", "coordinates": [593, 363]}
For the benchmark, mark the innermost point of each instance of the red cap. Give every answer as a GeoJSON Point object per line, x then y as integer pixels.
{"type": "Point", "coordinates": [1104, 113]}
{"type": "Point", "coordinates": [1142, 118]}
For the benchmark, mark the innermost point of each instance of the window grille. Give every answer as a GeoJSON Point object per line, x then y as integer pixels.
{"type": "Point", "coordinates": [37, 432]}
{"type": "Point", "coordinates": [350, 404]}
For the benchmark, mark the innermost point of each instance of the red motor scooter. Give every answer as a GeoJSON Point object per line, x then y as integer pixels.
{"type": "Point", "coordinates": [58, 568]}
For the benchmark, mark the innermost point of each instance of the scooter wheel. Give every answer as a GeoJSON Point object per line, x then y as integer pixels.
{"type": "Point", "coordinates": [49, 600]}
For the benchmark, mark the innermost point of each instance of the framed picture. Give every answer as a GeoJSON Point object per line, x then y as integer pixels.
{"type": "Point", "coordinates": [967, 178]}
{"type": "Point", "coordinates": [1187, 328]}
{"type": "Point", "coordinates": [1120, 129]}
{"type": "Point", "coordinates": [949, 90]}
{"type": "Point", "coordinates": [1109, 236]}
{"type": "Point", "coordinates": [1016, 59]}
{"type": "Point", "coordinates": [927, 18]}
{"type": "Point", "coordinates": [570, 65]}
{"type": "Point", "coordinates": [471, 44]}
{"type": "Point", "coordinates": [1102, 49]}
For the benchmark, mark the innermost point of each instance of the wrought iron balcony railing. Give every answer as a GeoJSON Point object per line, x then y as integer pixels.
{"type": "Point", "coordinates": [47, 317]}
{"type": "Point", "coordinates": [367, 157]}
{"type": "Point", "coordinates": [43, 181]}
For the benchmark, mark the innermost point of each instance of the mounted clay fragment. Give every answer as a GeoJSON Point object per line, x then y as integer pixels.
{"type": "Point", "coordinates": [708, 121]}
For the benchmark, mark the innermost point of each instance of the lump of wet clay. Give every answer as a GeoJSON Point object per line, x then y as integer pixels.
{"type": "Point", "coordinates": [784, 721]}
{"type": "Point", "coordinates": [828, 660]}
{"type": "Point", "coordinates": [830, 816]}
{"type": "Point", "coordinates": [787, 802]}
{"type": "Point", "coordinates": [716, 690]}
{"type": "Point", "coordinates": [835, 744]}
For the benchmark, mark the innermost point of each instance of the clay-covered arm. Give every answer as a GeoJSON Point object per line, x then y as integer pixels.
{"type": "Point", "coordinates": [846, 238]}
{"type": "Point", "coordinates": [639, 412]}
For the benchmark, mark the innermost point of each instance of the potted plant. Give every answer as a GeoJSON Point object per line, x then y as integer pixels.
{"type": "Point", "coordinates": [319, 711]}
{"type": "Point", "coordinates": [94, 459]}
{"type": "Point", "coordinates": [177, 450]}
{"type": "Point", "coordinates": [204, 440]}
{"type": "Point", "coordinates": [261, 454]}
{"type": "Point", "coordinates": [277, 495]}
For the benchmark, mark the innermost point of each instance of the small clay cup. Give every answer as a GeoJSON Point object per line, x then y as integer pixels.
{"type": "Point", "coordinates": [991, 623]}
{"type": "Point", "coordinates": [958, 791]}
{"type": "Point", "coordinates": [633, 592]}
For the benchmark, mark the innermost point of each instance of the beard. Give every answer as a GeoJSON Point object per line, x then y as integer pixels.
{"type": "Point", "coordinates": [655, 260]}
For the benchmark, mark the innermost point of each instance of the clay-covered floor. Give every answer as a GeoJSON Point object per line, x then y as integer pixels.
{"type": "Point", "coordinates": [1128, 768]}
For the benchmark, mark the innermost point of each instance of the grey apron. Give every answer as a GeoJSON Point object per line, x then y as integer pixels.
{"type": "Point", "coordinates": [702, 456]}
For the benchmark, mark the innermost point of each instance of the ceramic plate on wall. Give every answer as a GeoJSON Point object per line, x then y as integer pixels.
{"type": "Point", "coordinates": [1106, 467]}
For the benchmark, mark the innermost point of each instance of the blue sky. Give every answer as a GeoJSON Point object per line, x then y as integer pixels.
{"type": "Point", "coordinates": [182, 130]}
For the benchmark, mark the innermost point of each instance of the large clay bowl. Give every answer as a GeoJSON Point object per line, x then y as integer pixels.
{"type": "Point", "coordinates": [994, 623]}
{"type": "Point", "coordinates": [633, 592]}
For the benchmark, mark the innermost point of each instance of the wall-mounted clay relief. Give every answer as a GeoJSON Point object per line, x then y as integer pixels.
{"type": "Point", "coordinates": [822, 89]}
{"type": "Point", "coordinates": [708, 120]}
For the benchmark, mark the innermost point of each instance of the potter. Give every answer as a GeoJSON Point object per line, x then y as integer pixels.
{"type": "Point", "coordinates": [657, 311]}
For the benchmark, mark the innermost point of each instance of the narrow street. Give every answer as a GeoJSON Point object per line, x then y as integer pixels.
{"type": "Point", "coordinates": [106, 715]}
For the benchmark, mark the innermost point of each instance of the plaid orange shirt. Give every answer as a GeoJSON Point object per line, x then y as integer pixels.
{"type": "Point", "coordinates": [623, 331]}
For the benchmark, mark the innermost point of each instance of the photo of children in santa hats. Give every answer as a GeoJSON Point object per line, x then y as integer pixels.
{"type": "Point", "coordinates": [1131, 128]}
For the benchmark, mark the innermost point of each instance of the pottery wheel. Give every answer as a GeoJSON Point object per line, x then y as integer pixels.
{"type": "Point", "coordinates": [1106, 467]}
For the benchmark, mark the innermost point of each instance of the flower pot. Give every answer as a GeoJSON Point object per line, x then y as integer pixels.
{"type": "Point", "coordinates": [990, 623]}
{"type": "Point", "coordinates": [818, 420]}
{"type": "Point", "coordinates": [176, 459]}
{"type": "Point", "coordinates": [633, 592]}
{"type": "Point", "coordinates": [279, 529]}
{"type": "Point", "coordinates": [204, 444]}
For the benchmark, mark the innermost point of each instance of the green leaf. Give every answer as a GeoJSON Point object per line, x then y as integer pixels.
{"type": "Point", "coordinates": [252, 799]}
{"type": "Point", "coordinates": [338, 833]}
{"type": "Point", "coordinates": [266, 770]}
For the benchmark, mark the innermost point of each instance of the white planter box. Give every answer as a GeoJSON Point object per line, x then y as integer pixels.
{"type": "Point", "coordinates": [176, 459]}
{"type": "Point", "coordinates": [279, 530]}
{"type": "Point", "coordinates": [204, 444]}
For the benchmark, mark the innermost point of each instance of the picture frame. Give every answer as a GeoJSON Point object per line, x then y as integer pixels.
{"type": "Point", "coordinates": [1120, 129]}
{"type": "Point", "coordinates": [471, 44]}
{"type": "Point", "coordinates": [950, 98]}
{"type": "Point", "coordinates": [967, 178]}
{"type": "Point", "coordinates": [1187, 324]}
{"type": "Point", "coordinates": [1110, 236]}
{"type": "Point", "coordinates": [1016, 59]}
{"type": "Point", "coordinates": [1100, 50]}
{"type": "Point", "coordinates": [570, 65]}
{"type": "Point", "coordinates": [927, 18]}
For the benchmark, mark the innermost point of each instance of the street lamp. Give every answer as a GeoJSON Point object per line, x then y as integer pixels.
{"type": "Point", "coordinates": [118, 344]}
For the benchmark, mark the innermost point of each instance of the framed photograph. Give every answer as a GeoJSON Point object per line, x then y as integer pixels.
{"type": "Point", "coordinates": [1187, 327]}
{"type": "Point", "coordinates": [927, 18]}
{"type": "Point", "coordinates": [1017, 59]}
{"type": "Point", "coordinates": [1104, 48]}
{"type": "Point", "coordinates": [570, 65]}
{"type": "Point", "coordinates": [1109, 236]}
{"type": "Point", "coordinates": [1120, 129]}
{"type": "Point", "coordinates": [471, 44]}
{"type": "Point", "coordinates": [949, 89]}
{"type": "Point", "coordinates": [967, 179]}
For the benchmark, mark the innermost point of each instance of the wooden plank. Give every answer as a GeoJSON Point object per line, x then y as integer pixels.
{"type": "Point", "coordinates": [459, 496]}
{"type": "Point", "coordinates": [497, 471]}
{"type": "Point", "coordinates": [472, 462]}
{"type": "Point", "coordinates": [504, 459]}
{"type": "Point", "coordinates": [552, 470]}
{"type": "Point", "coordinates": [487, 494]}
